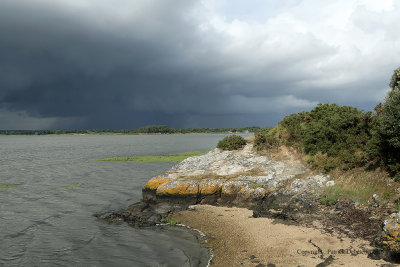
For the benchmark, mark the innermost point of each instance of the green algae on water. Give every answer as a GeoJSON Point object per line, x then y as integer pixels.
{"type": "Point", "coordinates": [6, 186]}
{"type": "Point", "coordinates": [174, 157]}
{"type": "Point", "coordinates": [73, 186]}
{"type": "Point", "coordinates": [170, 220]}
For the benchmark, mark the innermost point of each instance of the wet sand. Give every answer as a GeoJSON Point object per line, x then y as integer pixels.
{"type": "Point", "coordinates": [238, 239]}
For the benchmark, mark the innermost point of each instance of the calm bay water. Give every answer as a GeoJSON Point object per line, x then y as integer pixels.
{"type": "Point", "coordinates": [48, 219]}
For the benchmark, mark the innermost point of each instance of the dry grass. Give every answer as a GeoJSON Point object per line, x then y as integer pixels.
{"type": "Point", "coordinates": [250, 139]}
{"type": "Point", "coordinates": [256, 171]}
{"type": "Point", "coordinates": [356, 184]}
{"type": "Point", "coordinates": [359, 184]}
{"type": "Point", "coordinates": [284, 153]}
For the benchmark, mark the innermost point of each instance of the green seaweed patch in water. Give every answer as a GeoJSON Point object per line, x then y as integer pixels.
{"type": "Point", "coordinates": [170, 220]}
{"type": "Point", "coordinates": [5, 186]}
{"type": "Point", "coordinates": [173, 157]}
{"type": "Point", "coordinates": [73, 186]}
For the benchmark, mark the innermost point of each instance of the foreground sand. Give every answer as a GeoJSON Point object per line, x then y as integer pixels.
{"type": "Point", "coordinates": [238, 239]}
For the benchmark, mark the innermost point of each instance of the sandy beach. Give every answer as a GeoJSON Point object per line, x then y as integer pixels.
{"type": "Point", "coordinates": [238, 239]}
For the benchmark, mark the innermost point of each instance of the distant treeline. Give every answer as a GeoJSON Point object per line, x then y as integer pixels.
{"type": "Point", "coordinates": [151, 129]}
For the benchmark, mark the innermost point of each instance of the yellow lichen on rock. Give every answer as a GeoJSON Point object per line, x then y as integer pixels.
{"type": "Point", "coordinates": [155, 182]}
{"type": "Point", "coordinates": [390, 237]}
{"type": "Point", "coordinates": [232, 187]}
{"type": "Point", "coordinates": [178, 188]}
{"type": "Point", "coordinates": [209, 186]}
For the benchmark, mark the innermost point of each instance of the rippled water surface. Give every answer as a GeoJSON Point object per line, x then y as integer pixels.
{"type": "Point", "coordinates": [47, 220]}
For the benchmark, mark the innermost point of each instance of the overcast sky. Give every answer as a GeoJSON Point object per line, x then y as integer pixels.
{"type": "Point", "coordinates": [67, 64]}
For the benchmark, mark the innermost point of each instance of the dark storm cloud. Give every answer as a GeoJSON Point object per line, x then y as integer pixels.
{"type": "Point", "coordinates": [107, 64]}
{"type": "Point", "coordinates": [59, 65]}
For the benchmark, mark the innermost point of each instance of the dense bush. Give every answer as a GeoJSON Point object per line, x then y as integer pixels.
{"type": "Point", "coordinates": [335, 130]}
{"type": "Point", "coordinates": [389, 127]}
{"type": "Point", "coordinates": [290, 128]}
{"type": "Point", "coordinates": [231, 142]}
{"type": "Point", "coordinates": [265, 139]}
{"type": "Point", "coordinates": [342, 136]}
{"type": "Point", "coordinates": [339, 135]}
{"type": "Point", "coordinates": [395, 81]}
{"type": "Point", "coordinates": [390, 123]}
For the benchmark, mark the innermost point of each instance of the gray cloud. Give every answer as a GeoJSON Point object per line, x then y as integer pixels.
{"type": "Point", "coordinates": [96, 64]}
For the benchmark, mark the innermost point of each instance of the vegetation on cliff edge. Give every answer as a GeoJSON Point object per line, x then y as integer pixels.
{"type": "Point", "coordinates": [360, 150]}
{"type": "Point", "coordinates": [343, 137]}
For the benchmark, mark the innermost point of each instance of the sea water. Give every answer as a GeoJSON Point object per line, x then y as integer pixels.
{"type": "Point", "coordinates": [50, 187]}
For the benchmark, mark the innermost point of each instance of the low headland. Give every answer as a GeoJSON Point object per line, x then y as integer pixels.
{"type": "Point", "coordinates": [257, 209]}
{"type": "Point", "coordinates": [321, 188]}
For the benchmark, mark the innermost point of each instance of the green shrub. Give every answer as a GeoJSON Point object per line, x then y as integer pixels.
{"type": "Point", "coordinates": [334, 130]}
{"type": "Point", "coordinates": [232, 142]}
{"type": "Point", "coordinates": [292, 128]}
{"type": "Point", "coordinates": [389, 128]}
{"type": "Point", "coordinates": [329, 165]}
{"type": "Point", "coordinates": [259, 139]}
{"type": "Point", "coordinates": [339, 134]}
{"type": "Point", "coordinates": [343, 136]}
{"type": "Point", "coordinates": [390, 123]}
{"type": "Point", "coordinates": [311, 161]}
{"type": "Point", "coordinates": [328, 200]}
{"type": "Point", "coordinates": [395, 81]}
{"type": "Point", "coordinates": [265, 139]}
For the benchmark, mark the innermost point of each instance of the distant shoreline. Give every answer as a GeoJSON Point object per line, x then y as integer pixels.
{"type": "Point", "coordinates": [146, 130]}
{"type": "Point", "coordinates": [80, 134]}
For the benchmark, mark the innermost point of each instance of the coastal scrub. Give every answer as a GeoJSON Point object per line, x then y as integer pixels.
{"type": "Point", "coordinates": [232, 142]}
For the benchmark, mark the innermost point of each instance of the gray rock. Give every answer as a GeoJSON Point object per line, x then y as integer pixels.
{"type": "Point", "coordinates": [330, 183]}
{"type": "Point", "coordinates": [235, 177]}
{"type": "Point", "coordinates": [226, 163]}
{"type": "Point", "coordinates": [309, 184]}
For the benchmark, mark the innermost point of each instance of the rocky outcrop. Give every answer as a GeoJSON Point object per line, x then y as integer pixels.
{"type": "Point", "coordinates": [283, 189]}
{"type": "Point", "coordinates": [388, 241]}
{"type": "Point", "coordinates": [240, 177]}
{"type": "Point", "coordinates": [142, 214]}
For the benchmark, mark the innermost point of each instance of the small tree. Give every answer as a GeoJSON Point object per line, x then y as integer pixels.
{"type": "Point", "coordinates": [395, 82]}
{"type": "Point", "coordinates": [390, 126]}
